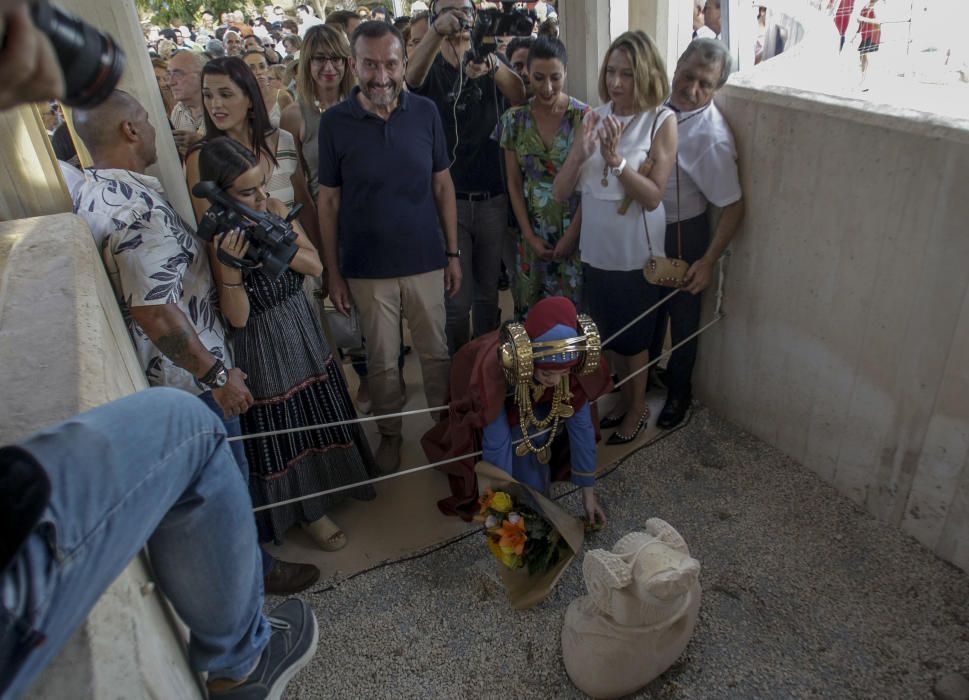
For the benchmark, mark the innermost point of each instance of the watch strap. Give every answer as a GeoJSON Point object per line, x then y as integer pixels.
{"type": "Point", "coordinates": [209, 378]}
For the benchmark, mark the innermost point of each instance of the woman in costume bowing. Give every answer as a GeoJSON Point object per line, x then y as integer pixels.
{"type": "Point", "coordinates": [523, 396]}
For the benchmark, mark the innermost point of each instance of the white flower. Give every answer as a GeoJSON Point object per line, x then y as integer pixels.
{"type": "Point", "coordinates": [513, 518]}
{"type": "Point", "coordinates": [491, 521]}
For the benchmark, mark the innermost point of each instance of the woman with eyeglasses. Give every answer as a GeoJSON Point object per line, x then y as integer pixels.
{"type": "Point", "coordinates": [323, 79]}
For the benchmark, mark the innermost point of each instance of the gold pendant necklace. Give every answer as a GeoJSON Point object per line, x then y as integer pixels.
{"type": "Point", "coordinates": [605, 175]}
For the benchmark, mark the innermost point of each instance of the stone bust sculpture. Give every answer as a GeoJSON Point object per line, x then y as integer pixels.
{"type": "Point", "coordinates": [639, 615]}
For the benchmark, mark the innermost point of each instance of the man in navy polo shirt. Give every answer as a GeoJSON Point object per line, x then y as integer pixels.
{"type": "Point", "coordinates": [385, 194]}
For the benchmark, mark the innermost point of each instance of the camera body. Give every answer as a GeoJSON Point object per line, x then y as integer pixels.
{"type": "Point", "coordinates": [272, 240]}
{"type": "Point", "coordinates": [491, 23]}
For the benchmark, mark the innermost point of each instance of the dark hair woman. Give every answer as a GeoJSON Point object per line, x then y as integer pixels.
{"type": "Point", "coordinates": [537, 137]}
{"type": "Point", "coordinates": [234, 107]}
{"type": "Point", "coordinates": [292, 375]}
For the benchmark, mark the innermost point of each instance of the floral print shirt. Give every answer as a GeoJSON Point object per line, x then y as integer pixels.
{"type": "Point", "coordinates": [152, 257]}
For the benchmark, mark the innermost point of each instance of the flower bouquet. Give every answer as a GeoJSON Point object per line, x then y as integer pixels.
{"type": "Point", "coordinates": [532, 537]}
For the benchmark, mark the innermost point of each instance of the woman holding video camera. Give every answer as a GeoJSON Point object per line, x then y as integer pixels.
{"type": "Point", "coordinates": [234, 107]}
{"type": "Point", "coordinates": [292, 375]}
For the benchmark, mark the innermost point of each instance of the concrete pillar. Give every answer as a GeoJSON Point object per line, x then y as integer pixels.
{"type": "Point", "coordinates": [120, 19]}
{"type": "Point", "coordinates": [31, 183]}
{"type": "Point", "coordinates": [584, 26]}
{"type": "Point", "coordinates": [668, 22]}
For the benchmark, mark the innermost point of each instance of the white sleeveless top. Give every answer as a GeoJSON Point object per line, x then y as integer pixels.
{"type": "Point", "coordinates": [609, 241]}
{"type": "Point", "coordinates": [280, 185]}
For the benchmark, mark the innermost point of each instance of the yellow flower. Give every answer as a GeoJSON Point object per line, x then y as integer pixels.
{"type": "Point", "coordinates": [501, 502]}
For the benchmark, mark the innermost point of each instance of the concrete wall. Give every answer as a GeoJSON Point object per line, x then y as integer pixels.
{"type": "Point", "coordinates": [64, 349]}
{"type": "Point", "coordinates": [846, 342]}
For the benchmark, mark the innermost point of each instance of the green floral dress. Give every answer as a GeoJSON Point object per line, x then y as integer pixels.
{"type": "Point", "coordinates": [536, 279]}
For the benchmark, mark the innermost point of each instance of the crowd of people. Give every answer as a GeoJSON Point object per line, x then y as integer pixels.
{"type": "Point", "coordinates": [427, 170]}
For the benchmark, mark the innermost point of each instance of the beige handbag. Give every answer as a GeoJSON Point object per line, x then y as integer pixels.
{"type": "Point", "coordinates": [667, 272]}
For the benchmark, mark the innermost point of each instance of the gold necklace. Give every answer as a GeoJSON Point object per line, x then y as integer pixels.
{"type": "Point", "coordinates": [561, 408]}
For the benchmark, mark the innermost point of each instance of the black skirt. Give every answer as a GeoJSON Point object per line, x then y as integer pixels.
{"type": "Point", "coordinates": [613, 299]}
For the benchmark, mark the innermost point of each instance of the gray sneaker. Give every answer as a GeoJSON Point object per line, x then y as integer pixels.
{"type": "Point", "coordinates": [291, 646]}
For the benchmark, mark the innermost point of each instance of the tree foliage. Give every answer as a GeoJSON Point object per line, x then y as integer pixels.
{"type": "Point", "coordinates": [168, 13]}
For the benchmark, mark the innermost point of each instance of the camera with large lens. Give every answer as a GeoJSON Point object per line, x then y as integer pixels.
{"type": "Point", "coordinates": [492, 23]}
{"type": "Point", "coordinates": [90, 60]}
{"type": "Point", "coordinates": [272, 240]}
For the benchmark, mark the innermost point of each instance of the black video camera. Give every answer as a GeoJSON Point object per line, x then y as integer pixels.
{"type": "Point", "coordinates": [492, 23]}
{"type": "Point", "coordinates": [90, 60]}
{"type": "Point", "coordinates": [272, 240]}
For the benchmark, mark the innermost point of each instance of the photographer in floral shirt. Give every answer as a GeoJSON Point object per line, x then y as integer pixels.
{"type": "Point", "coordinates": [161, 276]}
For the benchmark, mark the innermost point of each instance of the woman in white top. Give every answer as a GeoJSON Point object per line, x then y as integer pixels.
{"type": "Point", "coordinates": [603, 164]}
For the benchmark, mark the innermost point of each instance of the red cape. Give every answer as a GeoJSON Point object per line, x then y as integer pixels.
{"type": "Point", "coordinates": [478, 390]}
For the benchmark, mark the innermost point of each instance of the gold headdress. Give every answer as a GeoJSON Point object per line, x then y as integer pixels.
{"type": "Point", "coordinates": [518, 355]}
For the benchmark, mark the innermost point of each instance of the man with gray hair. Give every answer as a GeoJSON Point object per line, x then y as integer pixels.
{"type": "Point", "coordinates": [705, 174]}
{"type": "Point", "coordinates": [232, 42]}
{"type": "Point", "coordinates": [186, 119]}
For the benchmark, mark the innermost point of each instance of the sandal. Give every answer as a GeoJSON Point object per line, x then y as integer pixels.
{"type": "Point", "coordinates": [326, 534]}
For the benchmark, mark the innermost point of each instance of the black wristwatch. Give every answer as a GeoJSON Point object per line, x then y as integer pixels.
{"type": "Point", "coordinates": [217, 377]}
{"type": "Point", "coordinates": [455, 254]}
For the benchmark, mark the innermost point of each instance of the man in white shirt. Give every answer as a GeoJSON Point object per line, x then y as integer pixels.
{"type": "Point", "coordinates": [187, 117]}
{"type": "Point", "coordinates": [705, 174]}
{"type": "Point", "coordinates": [306, 19]}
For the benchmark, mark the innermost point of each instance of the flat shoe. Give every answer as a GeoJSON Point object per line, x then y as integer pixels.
{"type": "Point", "coordinates": [326, 534]}
{"type": "Point", "coordinates": [611, 421]}
{"type": "Point", "coordinates": [618, 438]}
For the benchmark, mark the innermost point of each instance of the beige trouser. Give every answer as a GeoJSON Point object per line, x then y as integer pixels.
{"type": "Point", "coordinates": [379, 302]}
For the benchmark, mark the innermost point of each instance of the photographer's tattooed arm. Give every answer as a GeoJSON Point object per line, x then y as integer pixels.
{"type": "Point", "coordinates": [171, 332]}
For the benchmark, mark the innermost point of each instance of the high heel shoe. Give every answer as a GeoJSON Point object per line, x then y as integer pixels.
{"type": "Point", "coordinates": [618, 438]}
{"type": "Point", "coordinates": [611, 421]}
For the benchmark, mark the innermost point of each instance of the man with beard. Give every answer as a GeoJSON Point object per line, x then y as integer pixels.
{"type": "Point", "coordinates": [705, 174]}
{"type": "Point", "coordinates": [385, 194]}
{"type": "Point", "coordinates": [470, 96]}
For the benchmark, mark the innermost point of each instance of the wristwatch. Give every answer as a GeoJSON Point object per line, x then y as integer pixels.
{"type": "Point", "coordinates": [455, 254]}
{"type": "Point", "coordinates": [216, 377]}
{"type": "Point", "coordinates": [617, 171]}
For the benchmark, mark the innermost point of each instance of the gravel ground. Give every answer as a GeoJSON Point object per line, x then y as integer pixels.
{"type": "Point", "coordinates": [804, 595]}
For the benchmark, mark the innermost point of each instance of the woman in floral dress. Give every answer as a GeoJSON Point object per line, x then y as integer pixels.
{"type": "Point", "coordinates": [536, 138]}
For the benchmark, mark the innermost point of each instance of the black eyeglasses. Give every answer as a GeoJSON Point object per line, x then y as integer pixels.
{"type": "Point", "coordinates": [320, 58]}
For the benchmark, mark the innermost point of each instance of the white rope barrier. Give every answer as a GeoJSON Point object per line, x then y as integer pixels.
{"type": "Point", "coordinates": [418, 411]}
{"type": "Point", "coordinates": [434, 465]}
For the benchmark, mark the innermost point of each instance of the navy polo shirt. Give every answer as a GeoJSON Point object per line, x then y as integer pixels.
{"type": "Point", "coordinates": [388, 218]}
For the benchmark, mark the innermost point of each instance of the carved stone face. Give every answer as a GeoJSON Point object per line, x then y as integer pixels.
{"type": "Point", "coordinates": [644, 579]}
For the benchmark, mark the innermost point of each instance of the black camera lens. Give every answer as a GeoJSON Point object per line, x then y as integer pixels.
{"type": "Point", "coordinates": [90, 60]}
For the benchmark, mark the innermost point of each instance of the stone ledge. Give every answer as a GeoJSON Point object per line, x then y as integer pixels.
{"type": "Point", "coordinates": [64, 349]}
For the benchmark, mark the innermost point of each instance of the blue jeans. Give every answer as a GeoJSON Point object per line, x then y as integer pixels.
{"type": "Point", "coordinates": [233, 428]}
{"type": "Point", "coordinates": [151, 468]}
